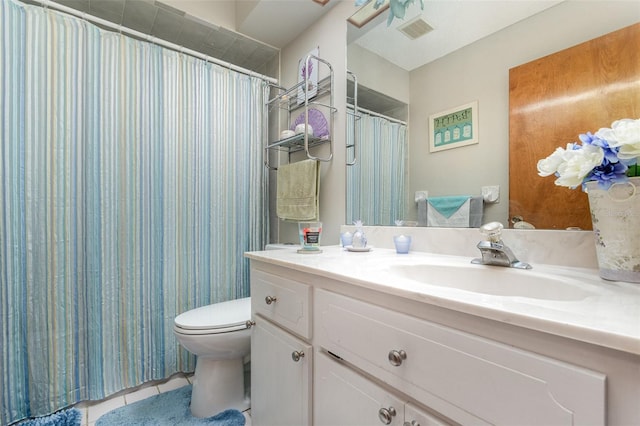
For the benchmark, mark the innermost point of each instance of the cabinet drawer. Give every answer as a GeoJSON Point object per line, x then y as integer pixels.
{"type": "Point", "coordinates": [465, 377]}
{"type": "Point", "coordinates": [283, 301]}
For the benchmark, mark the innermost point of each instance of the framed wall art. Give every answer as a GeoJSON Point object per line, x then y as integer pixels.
{"type": "Point", "coordinates": [454, 127]}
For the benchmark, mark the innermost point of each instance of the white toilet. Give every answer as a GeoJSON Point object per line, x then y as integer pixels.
{"type": "Point", "coordinates": [218, 335]}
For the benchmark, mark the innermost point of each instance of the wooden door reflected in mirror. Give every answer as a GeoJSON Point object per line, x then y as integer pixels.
{"type": "Point", "coordinates": [554, 99]}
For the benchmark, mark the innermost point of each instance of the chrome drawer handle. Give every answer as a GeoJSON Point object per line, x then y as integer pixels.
{"type": "Point", "coordinates": [386, 415]}
{"type": "Point", "coordinates": [396, 357]}
{"type": "Point", "coordinates": [270, 299]}
{"type": "Point", "coordinates": [296, 355]}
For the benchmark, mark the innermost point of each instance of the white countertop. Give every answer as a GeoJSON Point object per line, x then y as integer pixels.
{"type": "Point", "coordinates": [604, 313]}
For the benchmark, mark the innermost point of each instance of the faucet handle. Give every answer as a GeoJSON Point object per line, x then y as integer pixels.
{"type": "Point", "coordinates": [493, 231]}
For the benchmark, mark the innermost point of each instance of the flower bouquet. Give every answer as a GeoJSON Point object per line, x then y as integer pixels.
{"type": "Point", "coordinates": [605, 165]}
{"type": "Point", "coordinates": [608, 156]}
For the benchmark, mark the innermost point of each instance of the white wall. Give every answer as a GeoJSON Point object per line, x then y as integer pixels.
{"type": "Point", "coordinates": [373, 71]}
{"type": "Point", "coordinates": [218, 12]}
{"type": "Point", "coordinates": [480, 72]}
{"type": "Point", "coordinates": [329, 34]}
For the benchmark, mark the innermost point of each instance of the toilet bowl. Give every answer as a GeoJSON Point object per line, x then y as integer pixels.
{"type": "Point", "coordinates": [219, 336]}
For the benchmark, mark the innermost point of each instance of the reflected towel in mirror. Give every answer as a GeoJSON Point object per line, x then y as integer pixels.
{"type": "Point", "coordinates": [451, 212]}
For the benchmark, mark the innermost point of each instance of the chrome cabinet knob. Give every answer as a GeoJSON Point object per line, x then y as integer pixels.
{"type": "Point", "coordinates": [386, 415]}
{"type": "Point", "coordinates": [296, 355]}
{"type": "Point", "coordinates": [250, 323]}
{"type": "Point", "coordinates": [396, 357]}
{"type": "Point", "coordinates": [412, 423]}
{"type": "Point", "coordinates": [270, 299]}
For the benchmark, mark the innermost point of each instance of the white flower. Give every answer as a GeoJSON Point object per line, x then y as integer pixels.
{"type": "Point", "coordinates": [549, 165]}
{"type": "Point", "coordinates": [578, 164]}
{"type": "Point", "coordinates": [625, 134]}
{"type": "Point", "coordinates": [609, 156]}
{"type": "Point", "coordinates": [571, 164]}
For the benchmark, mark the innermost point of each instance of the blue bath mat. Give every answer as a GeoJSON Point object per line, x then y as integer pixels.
{"type": "Point", "coordinates": [70, 417]}
{"type": "Point", "coordinates": [167, 409]}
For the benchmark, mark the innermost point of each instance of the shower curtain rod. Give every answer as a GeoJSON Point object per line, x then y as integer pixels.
{"type": "Point", "coordinates": [377, 114]}
{"type": "Point", "coordinates": [151, 39]}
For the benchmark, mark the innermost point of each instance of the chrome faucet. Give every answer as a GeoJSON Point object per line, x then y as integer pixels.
{"type": "Point", "coordinates": [494, 251]}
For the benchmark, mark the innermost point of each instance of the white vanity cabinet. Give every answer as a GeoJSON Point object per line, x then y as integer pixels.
{"type": "Point", "coordinates": [469, 379]}
{"type": "Point", "coordinates": [281, 355]}
{"type": "Point", "coordinates": [373, 356]}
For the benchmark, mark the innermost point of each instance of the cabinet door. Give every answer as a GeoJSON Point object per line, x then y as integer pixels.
{"type": "Point", "coordinates": [343, 397]}
{"type": "Point", "coordinates": [280, 377]}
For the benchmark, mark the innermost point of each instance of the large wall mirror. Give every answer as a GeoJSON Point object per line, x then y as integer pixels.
{"type": "Point", "coordinates": [377, 143]}
{"type": "Point", "coordinates": [465, 56]}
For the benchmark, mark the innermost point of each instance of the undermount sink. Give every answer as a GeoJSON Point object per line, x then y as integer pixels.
{"type": "Point", "coordinates": [496, 281]}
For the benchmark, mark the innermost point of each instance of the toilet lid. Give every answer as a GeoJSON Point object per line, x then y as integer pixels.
{"type": "Point", "coordinates": [216, 316]}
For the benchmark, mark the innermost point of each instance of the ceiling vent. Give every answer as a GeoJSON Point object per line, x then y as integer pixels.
{"type": "Point", "coordinates": [415, 28]}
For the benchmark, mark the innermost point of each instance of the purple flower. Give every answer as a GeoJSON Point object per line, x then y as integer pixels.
{"type": "Point", "coordinates": [306, 74]}
{"type": "Point", "coordinates": [608, 173]}
{"type": "Point", "coordinates": [610, 154]}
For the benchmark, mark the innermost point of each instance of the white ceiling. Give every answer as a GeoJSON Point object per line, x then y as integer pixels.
{"type": "Point", "coordinates": [456, 23]}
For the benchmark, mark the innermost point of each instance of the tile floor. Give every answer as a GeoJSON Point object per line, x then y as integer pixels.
{"type": "Point", "coordinates": [91, 411]}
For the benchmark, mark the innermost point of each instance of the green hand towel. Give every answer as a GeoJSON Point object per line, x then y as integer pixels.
{"type": "Point", "coordinates": [298, 190]}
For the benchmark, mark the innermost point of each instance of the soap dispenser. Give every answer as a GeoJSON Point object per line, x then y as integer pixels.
{"type": "Point", "coordinates": [359, 240]}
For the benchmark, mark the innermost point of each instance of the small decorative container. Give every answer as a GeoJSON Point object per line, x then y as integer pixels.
{"type": "Point", "coordinates": [310, 234]}
{"type": "Point", "coordinates": [403, 243]}
{"type": "Point", "coordinates": [346, 239]}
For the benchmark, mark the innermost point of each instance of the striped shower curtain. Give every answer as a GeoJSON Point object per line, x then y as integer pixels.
{"type": "Point", "coordinates": [376, 183]}
{"type": "Point", "coordinates": [131, 183]}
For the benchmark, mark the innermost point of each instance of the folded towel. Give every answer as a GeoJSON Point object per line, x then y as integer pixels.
{"type": "Point", "coordinates": [422, 212]}
{"type": "Point", "coordinates": [448, 211]}
{"type": "Point", "coordinates": [476, 212]}
{"type": "Point", "coordinates": [447, 206]}
{"type": "Point", "coordinates": [298, 190]}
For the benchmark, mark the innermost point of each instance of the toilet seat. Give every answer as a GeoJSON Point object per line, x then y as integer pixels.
{"type": "Point", "coordinates": [217, 318]}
